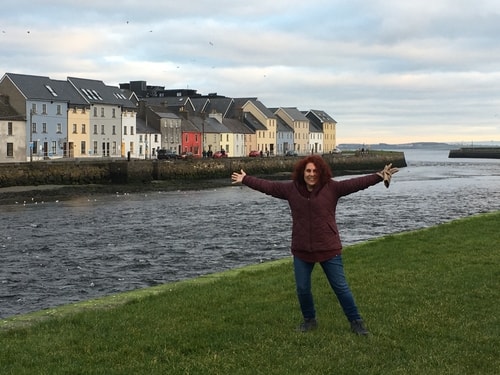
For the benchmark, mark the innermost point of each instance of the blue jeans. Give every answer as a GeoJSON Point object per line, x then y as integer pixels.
{"type": "Point", "coordinates": [334, 271]}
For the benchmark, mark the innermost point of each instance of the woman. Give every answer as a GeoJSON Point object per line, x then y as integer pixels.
{"type": "Point", "coordinates": [313, 195]}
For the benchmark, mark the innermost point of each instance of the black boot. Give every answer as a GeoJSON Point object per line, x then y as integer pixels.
{"type": "Point", "coordinates": [358, 327]}
{"type": "Point", "coordinates": [308, 325]}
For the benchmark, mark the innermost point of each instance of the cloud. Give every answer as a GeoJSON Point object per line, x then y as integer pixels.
{"type": "Point", "coordinates": [382, 69]}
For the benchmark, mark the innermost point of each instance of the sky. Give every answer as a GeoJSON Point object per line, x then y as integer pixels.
{"type": "Point", "coordinates": [386, 71]}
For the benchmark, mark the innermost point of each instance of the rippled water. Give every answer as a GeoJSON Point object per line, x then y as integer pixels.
{"type": "Point", "coordinates": [58, 252]}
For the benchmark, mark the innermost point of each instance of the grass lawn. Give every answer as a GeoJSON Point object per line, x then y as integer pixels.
{"type": "Point", "coordinates": [430, 299]}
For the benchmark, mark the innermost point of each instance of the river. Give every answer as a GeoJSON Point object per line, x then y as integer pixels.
{"type": "Point", "coordinates": [58, 252]}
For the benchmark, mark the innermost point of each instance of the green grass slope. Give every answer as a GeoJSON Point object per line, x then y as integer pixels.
{"type": "Point", "coordinates": [430, 299]}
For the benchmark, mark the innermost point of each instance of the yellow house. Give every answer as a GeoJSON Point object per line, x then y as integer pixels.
{"type": "Point", "coordinates": [300, 125]}
{"type": "Point", "coordinates": [78, 131]}
{"type": "Point", "coordinates": [329, 127]}
{"type": "Point", "coordinates": [266, 137]}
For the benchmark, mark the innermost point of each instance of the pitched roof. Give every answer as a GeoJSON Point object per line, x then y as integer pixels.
{"type": "Point", "coordinates": [236, 126]}
{"type": "Point", "coordinates": [237, 107]}
{"type": "Point", "coordinates": [208, 125]}
{"type": "Point", "coordinates": [251, 121]}
{"type": "Point", "coordinates": [282, 126]}
{"type": "Point", "coordinates": [219, 105]}
{"type": "Point", "coordinates": [97, 92]}
{"type": "Point", "coordinates": [142, 128]}
{"type": "Point", "coordinates": [189, 126]}
{"type": "Point", "coordinates": [173, 102]}
{"type": "Point", "coordinates": [315, 127]}
{"type": "Point", "coordinates": [199, 104]}
{"type": "Point", "coordinates": [294, 114]}
{"type": "Point", "coordinates": [214, 126]}
{"type": "Point", "coordinates": [321, 116]}
{"type": "Point", "coordinates": [43, 88]}
{"type": "Point", "coordinates": [263, 109]}
{"type": "Point", "coordinates": [163, 112]}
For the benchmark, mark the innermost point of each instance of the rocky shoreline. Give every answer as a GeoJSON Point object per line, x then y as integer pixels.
{"type": "Point", "coordinates": [45, 193]}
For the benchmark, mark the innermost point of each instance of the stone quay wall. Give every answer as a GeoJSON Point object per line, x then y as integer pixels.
{"type": "Point", "coordinates": [123, 171]}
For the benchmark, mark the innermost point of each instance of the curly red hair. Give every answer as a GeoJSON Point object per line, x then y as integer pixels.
{"type": "Point", "coordinates": [324, 171]}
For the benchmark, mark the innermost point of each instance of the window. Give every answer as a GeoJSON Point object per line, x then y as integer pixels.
{"type": "Point", "coordinates": [114, 129]}
{"type": "Point", "coordinates": [59, 128]}
{"type": "Point", "coordinates": [132, 147]}
{"type": "Point", "coordinates": [114, 148]}
{"type": "Point", "coordinates": [131, 130]}
{"type": "Point", "coordinates": [102, 111]}
{"type": "Point", "coordinates": [95, 146]}
{"type": "Point", "coordinates": [102, 130]}
{"type": "Point", "coordinates": [35, 147]}
{"type": "Point", "coordinates": [58, 110]}
{"type": "Point", "coordinates": [10, 150]}
{"type": "Point", "coordinates": [51, 90]}
{"type": "Point", "coordinates": [83, 148]}
{"type": "Point", "coordinates": [124, 130]}
{"type": "Point", "coordinates": [84, 130]}
{"type": "Point", "coordinates": [53, 148]}
{"type": "Point", "coordinates": [113, 113]}
{"type": "Point", "coordinates": [9, 128]}
{"type": "Point", "coordinates": [96, 95]}
{"type": "Point", "coordinates": [33, 108]}
{"type": "Point", "coordinates": [44, 127]}
{"type": "Point", "coordinates": [44, 109]}
{"type": "Point", "coordinates": [95, 111]}
{"type": "Point", "coordinates": [95, 131]}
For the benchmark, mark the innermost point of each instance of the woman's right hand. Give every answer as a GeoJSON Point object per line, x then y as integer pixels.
{"type": "Point", "coordinates": [238, 177]}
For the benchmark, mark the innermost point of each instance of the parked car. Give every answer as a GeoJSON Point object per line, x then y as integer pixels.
{"type": "Point", "coordinates": [166, 154]}
{"type": "Point", "coordinates": [187, 155]}
{"type": "Point", "coordinates": [337, 151]}
{"type": "Point", "coordinates": [291, 153]}
{"type": "Point", "coordinates": [254, 154]}
{"type": "Point", "coordinates": [220, 154]}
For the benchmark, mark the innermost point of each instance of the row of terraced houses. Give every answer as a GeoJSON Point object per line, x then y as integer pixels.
{"type": "Point", "coordinates": [43, 118]}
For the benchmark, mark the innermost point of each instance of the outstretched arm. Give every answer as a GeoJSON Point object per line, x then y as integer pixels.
{"type": "Point", "coordinates": [238, 177]}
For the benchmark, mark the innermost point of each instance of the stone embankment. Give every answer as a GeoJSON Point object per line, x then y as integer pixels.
{"type": "Point", "coordinates": [121, 171]}
{"type": "Point", "coordinates": [476, 152]}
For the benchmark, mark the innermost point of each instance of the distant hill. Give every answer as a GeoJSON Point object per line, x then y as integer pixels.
{"type": "Point", "coordinates": [402, 146]}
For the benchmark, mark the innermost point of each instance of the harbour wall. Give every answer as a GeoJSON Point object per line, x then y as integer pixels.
{"type": "Point", "coordinates": [476, 152]}
{"type": "Point", "coordinates": [123, 171]}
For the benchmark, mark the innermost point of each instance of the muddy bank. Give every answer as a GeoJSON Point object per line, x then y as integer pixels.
{"type": "Point", "coordinates": [29, 194]}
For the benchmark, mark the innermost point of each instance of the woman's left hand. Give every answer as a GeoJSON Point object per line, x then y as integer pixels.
{"type": "Point", "coordinates": [386, 174]}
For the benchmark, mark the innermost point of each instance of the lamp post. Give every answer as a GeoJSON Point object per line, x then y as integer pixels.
{"type": "Point", "coordinates": [31, 135]}
{"type": "Point", "coordinates": [203, 137]}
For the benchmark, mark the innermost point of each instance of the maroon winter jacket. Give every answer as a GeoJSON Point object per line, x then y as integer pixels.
{"type": "Point", "coordinates": [315, 237]}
